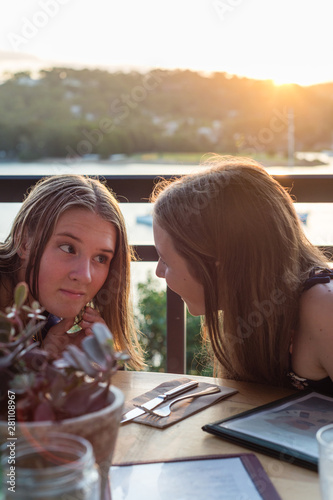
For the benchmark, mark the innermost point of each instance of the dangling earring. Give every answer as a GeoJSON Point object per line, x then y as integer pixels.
{"type": "Point", "coordinates": [76, 328]}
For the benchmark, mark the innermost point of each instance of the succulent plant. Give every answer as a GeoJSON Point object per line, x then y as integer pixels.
{"type": "Point", "coordinates": [48, 389]}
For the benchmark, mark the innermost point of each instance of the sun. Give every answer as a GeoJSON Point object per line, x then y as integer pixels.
{"type": "Point", "coordinates": [296, 75]}
{"type": "Point", "coordinates": [279, 82]}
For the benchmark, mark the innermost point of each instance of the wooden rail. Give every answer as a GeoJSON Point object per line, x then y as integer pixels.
{"type": "Point", "coordinates": [314, 188]}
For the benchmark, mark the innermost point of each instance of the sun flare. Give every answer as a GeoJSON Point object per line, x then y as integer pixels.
{"type": "Point", "coordinates": [294, 80]}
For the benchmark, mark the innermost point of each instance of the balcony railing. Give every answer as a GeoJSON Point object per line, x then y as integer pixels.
{"type": "Point", "coordinates": [137, 189]}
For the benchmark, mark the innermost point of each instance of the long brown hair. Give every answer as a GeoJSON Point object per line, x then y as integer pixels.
{"type": "Point", "coordinates": [37, 218]}
{"type": "Point", "coordinates": [242, 238]}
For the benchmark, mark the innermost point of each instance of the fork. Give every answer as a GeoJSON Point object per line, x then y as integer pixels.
{"type": "Point", "coordinates": [165, 411]}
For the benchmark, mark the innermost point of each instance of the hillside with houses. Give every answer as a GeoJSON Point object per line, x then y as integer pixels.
{"type": "Point", "coordinates": [67, 113]}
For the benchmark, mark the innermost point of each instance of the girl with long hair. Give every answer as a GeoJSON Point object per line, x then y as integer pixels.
{"type": "Point", "coordinates": [231, 244]}
{"type": "Point", "coordinates": [68, 242]}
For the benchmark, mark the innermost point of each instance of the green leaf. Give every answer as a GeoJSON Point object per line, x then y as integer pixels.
{"type": "Point", "coordinates": [22, 383]}
{"type": "Point", "coordinates": [20, 294]}
{"type": "Point", "coordinates": [5, 329]}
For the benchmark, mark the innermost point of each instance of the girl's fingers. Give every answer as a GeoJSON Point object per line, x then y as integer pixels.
{"type": "Point", "coordinates": [60, 328]}
{"type": "Point", "coordinates": [87, 326]}
{"type": "Point", "coordinates": [90, 316]}
{"type": "Point", "coordinates": [57, 338]}
{"type": "Point", "coordinates": [78, 338]}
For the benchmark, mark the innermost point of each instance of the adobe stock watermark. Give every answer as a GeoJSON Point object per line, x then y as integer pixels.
{"type": "Point", "coordinates": [277, 124]}
{"type": "Point", "coordinates": [11, 442]}
{"type": "Point", "coordinates": [224, 8]}
{"type": "Point", "coordinates": [31, 26]}
{"type": "Point", "coordinates": [120, 109]}
{"type": "Point", "coordinates": [262, 310]}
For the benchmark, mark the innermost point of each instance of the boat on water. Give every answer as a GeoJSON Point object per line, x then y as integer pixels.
{"type": "Point", "coordinates": [147, 220]}
{"type": "Point", "coordinates": [303, 217]}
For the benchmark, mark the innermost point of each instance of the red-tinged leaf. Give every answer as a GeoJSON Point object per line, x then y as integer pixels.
{"type": "Point", "coordinates": [7, 360]}
{"type": "Point", "coordinates": [67, 360]}
{"type": "Point", "coordinates": [35, 358]}
{"type": "Point", "coordinates": [43, 412]}
{"type": "Point", "coordinates": [93, 350]}
{"type": "Point", "coordinates": [99, 399]}
{"type": "Point", "coordinates": [104, 337]}
{"type": "Point", "coordinates": [5, 329]}
{"type": "Point", "coordinates": [25, 407]}
{"type": "Point", "coordinates": [78, 401]}
{"type": "Point", "coordinates": [81, 360]}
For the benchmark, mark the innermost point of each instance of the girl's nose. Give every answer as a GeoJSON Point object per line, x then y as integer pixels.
{"type": "Point", "coordinates": [159, 270]}
{"type": "Point", "coordinates": [82, 271]}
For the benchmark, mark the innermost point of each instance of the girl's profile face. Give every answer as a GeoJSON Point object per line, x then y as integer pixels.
{"type": "Point", "coordinates": [75, 262]}
{"type": "Point", "coordinates": [174, 269]}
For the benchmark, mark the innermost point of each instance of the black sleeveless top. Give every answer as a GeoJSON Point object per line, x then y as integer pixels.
{"type": "Point", "coordinates": [325, 385]}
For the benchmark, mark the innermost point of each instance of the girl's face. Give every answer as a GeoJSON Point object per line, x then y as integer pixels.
{"type": "Point", "coordinates": [174, 269]}
{"type": "Point", "coordinates": [75, 262]}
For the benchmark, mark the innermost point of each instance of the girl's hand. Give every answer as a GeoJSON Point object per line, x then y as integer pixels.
{"type": "Point", "coordinates": [90, 316]}
{"type": "Point", "coordinates": [57, 339]}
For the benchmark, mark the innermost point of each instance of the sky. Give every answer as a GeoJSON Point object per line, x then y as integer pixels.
{"type": "Point", "coordinates": [288, 41]}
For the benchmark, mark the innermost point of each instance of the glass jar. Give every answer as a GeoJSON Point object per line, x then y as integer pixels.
{"type": "Point", "coordinates": [58, 467]}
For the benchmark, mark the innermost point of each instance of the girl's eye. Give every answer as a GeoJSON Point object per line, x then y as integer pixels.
{"type": "Point", "coordinates": [67, 248]}
{"type": "Point", "coordinates": [102, 259]}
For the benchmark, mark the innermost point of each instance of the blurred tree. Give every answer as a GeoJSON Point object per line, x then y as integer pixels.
{"type": "Point", "coordinates": [151, 322]}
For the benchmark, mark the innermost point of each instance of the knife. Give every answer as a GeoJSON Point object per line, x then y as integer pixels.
{"type": "Point", "coordinates": [130, 415]}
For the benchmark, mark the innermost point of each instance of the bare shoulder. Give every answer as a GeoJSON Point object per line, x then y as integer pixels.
{"type": "Point", "coordinates": [315, 335]}
{"type": "Point", "coordinates": [316, 304]}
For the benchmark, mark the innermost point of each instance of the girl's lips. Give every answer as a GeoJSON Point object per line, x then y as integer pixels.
{"type": "Point", "coordinates": [72, 293]}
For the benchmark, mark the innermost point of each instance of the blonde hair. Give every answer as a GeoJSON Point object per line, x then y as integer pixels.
{"type": "Point", "coordinates": [39, 213]}
{"type": "Point", "coordinates": [239, 232]}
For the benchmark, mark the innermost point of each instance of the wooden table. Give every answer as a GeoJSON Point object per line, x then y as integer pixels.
{"type": "Point", "coordinates": [137, 442]}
